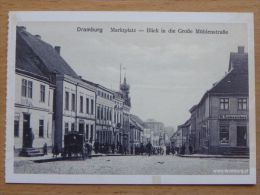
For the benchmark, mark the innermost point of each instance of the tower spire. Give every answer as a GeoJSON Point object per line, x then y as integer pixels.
{"type": "Point", "coordinates": [120, 75]}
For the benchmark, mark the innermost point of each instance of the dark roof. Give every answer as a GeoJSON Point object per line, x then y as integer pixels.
{"type": "Point", "coordinates": [136, 119]}
{"type": "Point", "coordinates": [36, 50]}
{"type": "Point", "coordinates": [233, 83]}
{"type": "Point", "coordinates": [26, 60]}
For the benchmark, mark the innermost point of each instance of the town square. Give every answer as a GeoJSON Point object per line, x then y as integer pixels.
{"type": "Point", "coordinates": [133, 108]}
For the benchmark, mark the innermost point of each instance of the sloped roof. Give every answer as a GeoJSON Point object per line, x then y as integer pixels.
{"type": "Point", "coordinates": [136, 121]}
{"type": "Point", "coordinates": [42, 52]}
{"type": "Point", "coordinates": [26, 60]}
{"type": "Point", "coordinates": [234, 82]}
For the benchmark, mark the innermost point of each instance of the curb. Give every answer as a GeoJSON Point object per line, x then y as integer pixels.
{"type": "Point", "coordinates": [221, 156]}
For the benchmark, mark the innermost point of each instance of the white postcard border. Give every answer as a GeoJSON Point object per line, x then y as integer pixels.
{"type": "Point", "coordinates": [190, 17]}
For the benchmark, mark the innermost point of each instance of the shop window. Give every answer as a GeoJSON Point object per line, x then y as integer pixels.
{"type": "Point", "coordinates": [66, 128]}
{"type": "Point", "coordinates": [224, 134]}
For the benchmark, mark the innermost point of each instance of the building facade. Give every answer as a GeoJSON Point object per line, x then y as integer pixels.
{"type": "Point", "coordinates": [104, 120]}
{"type": "Point", "coordinates": [33, 110]}
{"type": "Point", "coordinates": [34, 94]}
{"type": "Point", "coordinates": [220, 120]}
{"type": "Point", "coordinates": [136, 132]}
{"type": "Point", "coordinates": [75, 108]}
{"type": "Point", "coordinates": [118, 118]}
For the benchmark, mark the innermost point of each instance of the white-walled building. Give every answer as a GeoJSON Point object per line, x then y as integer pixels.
{"type": "Point", "coordinates": [33, 110]}
{"type": "Point", "coordinates": [75, 107]}
{"type": "Point", "coordinates": [34, 92]}
{"type": "Point", "coordinates": [105, 109]}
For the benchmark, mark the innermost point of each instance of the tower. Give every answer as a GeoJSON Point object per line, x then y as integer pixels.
{"type": "Point", "coordinates": [124, 88]}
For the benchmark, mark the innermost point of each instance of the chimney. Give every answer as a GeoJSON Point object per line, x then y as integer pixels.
{"type": "Point", "coordinates": [241, 49]}
{"type": "Point", "coordinates": [57, 49]}
{"type": "Point", "coordinates": [23, 28]}
{"type": "Point", "coordinates": [38, 36]}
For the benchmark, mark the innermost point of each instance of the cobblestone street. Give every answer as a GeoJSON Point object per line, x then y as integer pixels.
{"type": "Point", "coordinates": [136, 165]}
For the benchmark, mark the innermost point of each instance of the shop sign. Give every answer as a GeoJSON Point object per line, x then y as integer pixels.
{"type": "Point", "coordinates": [233, 117]}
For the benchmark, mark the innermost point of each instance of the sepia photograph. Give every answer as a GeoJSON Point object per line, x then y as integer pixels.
{"type": "Point", "coordinates": [130, 98]}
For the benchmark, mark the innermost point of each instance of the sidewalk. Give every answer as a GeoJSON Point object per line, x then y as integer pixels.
{"type": "Point", "coordinates": [212, 156]}
{"type": "Point", "coordinates": [49, 157]}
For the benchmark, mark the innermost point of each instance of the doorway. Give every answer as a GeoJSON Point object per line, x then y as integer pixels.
{"type": "Point", "coordinates": [241, 136]}
{"type": "Point", "coordinates": [27, 141]}
{"type": "Point", "coordinates": [81, 128]}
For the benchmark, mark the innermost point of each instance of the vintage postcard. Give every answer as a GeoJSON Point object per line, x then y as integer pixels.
{"type": "Point", "coordinates": [130, 98]}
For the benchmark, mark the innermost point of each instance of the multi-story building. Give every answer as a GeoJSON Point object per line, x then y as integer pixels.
{"type": "Point", "coordinates": [33, 117]}
{"type": "Point", "coordinates": [73, 100]}
{"type": "Point", "coordinates": [118, 118]}
{"type": "Point", "coordinates": [136, 132]}
{"type": "Point", "coordinates": [124, 89]}
{"type": "Point", "coordinates": [220, 119]}
{"type": "Point", "coordinates": [75, 107]}
{"type": "Point", "coordinates": [177, 139]}
{"type": "Point", "coordinates": [158, 131]}
{"type": "Point", "coordinates": [105, 108]}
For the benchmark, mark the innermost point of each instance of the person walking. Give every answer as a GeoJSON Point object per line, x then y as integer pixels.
{"type": "Point", "coordinates": [149, 148]}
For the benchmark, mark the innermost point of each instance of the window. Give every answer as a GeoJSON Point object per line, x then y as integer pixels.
{"type": "Point", "coordinates": [30, 89]}
{"type": "Point", "coordinates": [105, 113]}
{"type": "Point", "coordinates": [16, 126]}
{"type": "Point", "coordinates": [87, 131]}
{"type": "Point", "coordinates": [41, 127]}
{"type": "Point", "coordinates": [224, 134]}
{"type": "Point", "coordinates": [92, 106]}
{"type": "Point", "coordinates": [242, 103]}
{"type": "Point", "coordinates": [87, 105]}
{"type": "Point", "coordinates": [98, 113]}
{"type": "Point", "coordinates": [67, 100]}
{"type": "Point", "coordinates": [42, 92]}
{"type": "Point", "coordinates": [24, 87]}
{"type": "Point", "coordinates": [72, 127]}
{"type": "Point", "coordinates": [66, 128]}
{"type": "Point", "coordinates": [101, 109]}
{"type": "Point", "coordinates": [73, 102]}
{"type": "Point", "coordinates": [108, 114]}
{"type": "Point", "coordinates": [224, 103]}
{"type": "Point", "coordinates": [81, 104]}
{"type": "Point", "coordinates": [91, 132]}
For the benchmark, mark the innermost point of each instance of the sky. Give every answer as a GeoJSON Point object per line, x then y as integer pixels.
{"type": "Point", "coordinates": [168, 73]}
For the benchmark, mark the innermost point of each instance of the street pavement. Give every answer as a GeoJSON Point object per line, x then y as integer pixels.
{"type": "Point", "coordinates": [135, 165]}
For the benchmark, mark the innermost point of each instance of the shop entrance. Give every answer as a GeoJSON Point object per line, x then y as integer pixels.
{"type": "Point", "coordinates": [241, 136]}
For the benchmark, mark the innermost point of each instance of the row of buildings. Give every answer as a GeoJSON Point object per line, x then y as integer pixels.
{"type": "Point", "coordinates": [51, 99]}
{"type": "Point", "coordinates": [218, 123]}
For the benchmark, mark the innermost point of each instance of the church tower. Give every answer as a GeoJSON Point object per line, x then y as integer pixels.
{"type": "Point", "coordinates": [124, 88]}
